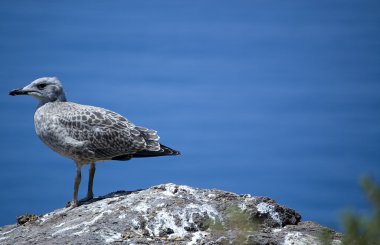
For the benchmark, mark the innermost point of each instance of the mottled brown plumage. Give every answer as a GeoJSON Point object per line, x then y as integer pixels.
{"type": "Point", "coordinates": [87, 134]}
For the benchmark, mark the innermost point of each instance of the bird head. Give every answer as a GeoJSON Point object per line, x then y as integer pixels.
{"type": "Point", "coordinates": [45, 89]}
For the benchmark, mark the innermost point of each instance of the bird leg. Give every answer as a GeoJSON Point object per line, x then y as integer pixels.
{"type": "Point", "coordinates": [74, 203]}
{"type": "Point", "coordinates": [91, 174]}
{"type": "Point", "coordinates": [90, 194]}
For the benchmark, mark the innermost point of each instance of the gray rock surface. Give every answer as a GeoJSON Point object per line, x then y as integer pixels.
{"type": "Point", "coordinates": [169, 214]}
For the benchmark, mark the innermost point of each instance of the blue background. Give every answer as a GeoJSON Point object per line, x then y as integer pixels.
{"type": "Point", "coordinates": [271, 98]}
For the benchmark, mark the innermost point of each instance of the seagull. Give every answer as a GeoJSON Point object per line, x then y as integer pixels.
{"type": "Point", "coordinates": [87, 134]}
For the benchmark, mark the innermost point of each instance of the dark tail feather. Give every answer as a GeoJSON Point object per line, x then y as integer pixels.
{"type": "Point", "coordinates": [165, 151]}
{"type": "Point", "coordinates": [169, 151]}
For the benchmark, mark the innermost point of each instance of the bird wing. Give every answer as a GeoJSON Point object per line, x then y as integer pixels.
{"type": "Point", "coordinates": [105, 132]}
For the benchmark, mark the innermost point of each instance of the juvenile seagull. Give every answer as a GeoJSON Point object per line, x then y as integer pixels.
{"type": "Point", "coordinates": [87, 134]}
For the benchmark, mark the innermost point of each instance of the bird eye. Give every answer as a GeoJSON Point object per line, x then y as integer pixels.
{"type": "Point", "coordinates": [41, 85]}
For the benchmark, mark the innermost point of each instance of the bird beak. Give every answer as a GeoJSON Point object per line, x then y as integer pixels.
{"type": "Point", "coordinates": [18, 91]}
{"type": "Point", "coordinates": [21, 91]}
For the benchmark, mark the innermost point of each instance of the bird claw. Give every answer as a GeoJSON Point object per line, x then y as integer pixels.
{"type": "Point", "coordinates": [72, 204]}
{"type": "Point", "coordinates": [86, 199]}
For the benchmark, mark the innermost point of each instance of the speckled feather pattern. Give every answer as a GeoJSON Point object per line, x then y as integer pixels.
{"type": "Point", "coordinates": [90, 134]}
{"type": "Point", "coordinates": [87, 134]}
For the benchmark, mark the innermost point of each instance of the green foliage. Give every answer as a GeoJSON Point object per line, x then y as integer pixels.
{"type": "Point", "coordinates": [325, 238]}
{"type": "Point", "coordinates": [237, 225]}
{"type": "Point", "coordinates": [364, 230]}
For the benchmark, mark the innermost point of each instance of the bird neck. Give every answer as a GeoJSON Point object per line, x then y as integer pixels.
{"type": "Point", "coordinates": [43, 101]}
{"type": "Point", "coordinates": [62, 97]}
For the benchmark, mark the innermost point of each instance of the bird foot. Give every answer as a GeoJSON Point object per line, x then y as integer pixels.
{"type": "Point", "coordinates": [86, 199]}
{"type": "Point", "coordinates": [72, 204]}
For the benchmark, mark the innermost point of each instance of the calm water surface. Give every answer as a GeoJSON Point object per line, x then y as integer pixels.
{"type": "Point", "coordinates": [271, 98]}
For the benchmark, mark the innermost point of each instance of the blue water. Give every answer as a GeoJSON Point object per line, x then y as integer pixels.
{"type": "Point", "coordinates": [271, 98]}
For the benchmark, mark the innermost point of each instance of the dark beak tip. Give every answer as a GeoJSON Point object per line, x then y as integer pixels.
{"type": "Point", "coordinates": [15, 92]}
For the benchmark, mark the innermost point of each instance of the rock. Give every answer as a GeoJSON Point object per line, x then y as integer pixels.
{"type": "Point", "coordinates": [26, 218]}
{"type": "Point", "coordinates": [169, 214]}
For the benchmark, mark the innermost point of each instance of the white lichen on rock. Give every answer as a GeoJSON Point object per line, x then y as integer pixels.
{"type": "Point", "coordinates": [266, 208]}
{"type": "Point", "coordinates": [163, 214]}
{"type": "Point", "coordinates": [297, 238]}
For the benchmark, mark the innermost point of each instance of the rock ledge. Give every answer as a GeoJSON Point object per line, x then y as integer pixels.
{"type": "Point", "coordinates": [170, 214]}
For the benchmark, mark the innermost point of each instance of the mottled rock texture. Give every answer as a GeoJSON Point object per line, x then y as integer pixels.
{"type": "Point", "coordinates": [170, 214]}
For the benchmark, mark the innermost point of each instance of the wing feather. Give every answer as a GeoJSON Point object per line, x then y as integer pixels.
{"type": "Point", "coordinates": [106, 133]}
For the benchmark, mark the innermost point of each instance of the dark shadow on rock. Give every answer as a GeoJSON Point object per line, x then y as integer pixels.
{"type": "Point", "coordinates": [109, 195]}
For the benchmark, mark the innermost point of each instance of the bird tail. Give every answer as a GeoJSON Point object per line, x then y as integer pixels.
{"type": "Point", "coordinates": [164, 151]}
